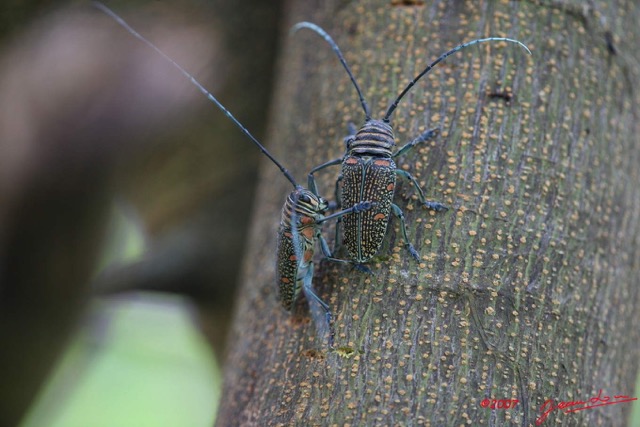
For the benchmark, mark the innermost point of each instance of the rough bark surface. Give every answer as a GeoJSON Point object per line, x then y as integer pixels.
{"type": "Point", "coordinates": [527, 286]}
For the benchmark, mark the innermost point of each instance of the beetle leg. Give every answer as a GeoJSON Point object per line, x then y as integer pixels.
{"type": "Point", "coordinates": [358, 207]}
{"type": "Point", "coordinates": [436, 206]}
{"type": "Point", "coordinates": [351, 133]}
{"type": "Point", "coordinates": [325, 247]}
{"type": "Point", "coordinates": [403, 226]}
{"type": "Point", "coordinates": [327, 253]}
{"type": "Point", "coordinates": [311, 180]}
{"type": "Point", "coordinates": [319, 309]}
{"type": "Point", "coordinates": [351, 129]}
{"type": "Point", "coordinates": [424, 137]}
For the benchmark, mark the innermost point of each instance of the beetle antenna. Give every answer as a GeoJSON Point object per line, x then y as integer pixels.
{"type": "Point", "coordinates": [434, 63]}
{"type": "Point", "coordinates": [197, 84]}
{"type": "Point", "coordinates": [336, 49]}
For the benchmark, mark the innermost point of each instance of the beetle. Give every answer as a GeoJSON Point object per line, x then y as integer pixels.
{"type": "Point", "coordinates": [302, 216]}
{"type": "Point", "coordinates": [368, 167]}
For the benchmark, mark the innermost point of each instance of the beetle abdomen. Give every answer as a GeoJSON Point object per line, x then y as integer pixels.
{"type": "Point", "coordinates": [287, 268]}
{"type": "Point", "coordinates": [293, 261]}
{"type": "Point", "coordinates": [367, 179]}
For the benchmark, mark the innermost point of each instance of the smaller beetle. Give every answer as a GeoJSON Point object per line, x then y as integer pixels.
{"type": "Point", "coordinates": [368, 167]}
{"type": "Point", "coordinates": [302, 215]}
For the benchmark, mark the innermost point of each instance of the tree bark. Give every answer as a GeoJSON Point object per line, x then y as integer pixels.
{"type": "Point", "coordinates": [526, 288]}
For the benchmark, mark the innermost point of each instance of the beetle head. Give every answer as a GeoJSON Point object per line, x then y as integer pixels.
{"type": "Point", "coordinates": [308, 204]}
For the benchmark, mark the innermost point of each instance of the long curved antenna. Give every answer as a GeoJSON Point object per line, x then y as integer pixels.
{"type": "Point", "coordinates": [336, 49]}
{"type": "Point", "coordinates": [434, 63]}
{"type": "Point", "coordinates": [197, 84]}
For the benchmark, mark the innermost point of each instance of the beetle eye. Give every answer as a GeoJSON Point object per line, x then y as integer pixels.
{"type": "Point", "coordinates": [304, 198]}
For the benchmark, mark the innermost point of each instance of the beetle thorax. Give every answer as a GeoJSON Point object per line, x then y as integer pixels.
{"type": "Point", "coordinates": [375, 138]}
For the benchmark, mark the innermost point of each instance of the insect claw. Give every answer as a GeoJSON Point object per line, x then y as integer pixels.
{"type": "Point", "coordinates": [431, 133]}
{"type": "Point", "coordinates": [362, 268]}
{"type": "Point", "coordinates": [413, 252]}
{"type": "Point", "coordinates": [438, 207]}
{"type": "Point", "coordinates": [332, 333]}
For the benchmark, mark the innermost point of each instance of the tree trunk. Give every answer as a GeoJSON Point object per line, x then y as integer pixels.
{"type": "Point", "coordinates": [526, 288]}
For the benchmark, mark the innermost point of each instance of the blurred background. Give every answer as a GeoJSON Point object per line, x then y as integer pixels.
{"type": "Point", "coordinates": [124, 202]}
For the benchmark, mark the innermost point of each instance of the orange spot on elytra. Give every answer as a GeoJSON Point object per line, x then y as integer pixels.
{"type": "Point", "coordinates": [382, 163]}
{"type": "Point", "coordinates": [293, 258]}
{"type": "Point", "coordinates": [391, 186]}
{"type": "Point", "coordinates": [308, 233]}
{"type": "Point", "coordinates": [285, 280]}
{"type": "Point", "coordinates": [308, 255]}
{"type": "Point", "coordinates": [351, 161]}
{"type": "Point", "coordinates": [306, 220]}
{"type": "Point", "coordinates": [379, 216]}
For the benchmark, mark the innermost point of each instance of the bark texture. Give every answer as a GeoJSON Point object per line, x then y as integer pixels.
{"type": "Point", "coordinates": [527, 286]}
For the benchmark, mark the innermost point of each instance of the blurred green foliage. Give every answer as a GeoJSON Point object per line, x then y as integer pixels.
{"type": "Point", "coordinates": [139, 362]}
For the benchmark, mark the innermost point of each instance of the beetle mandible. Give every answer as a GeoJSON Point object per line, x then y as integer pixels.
{"type": "Point", "coordinates": [301, 218]}
{"type": "Point", "coordinates": [368, 167]}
